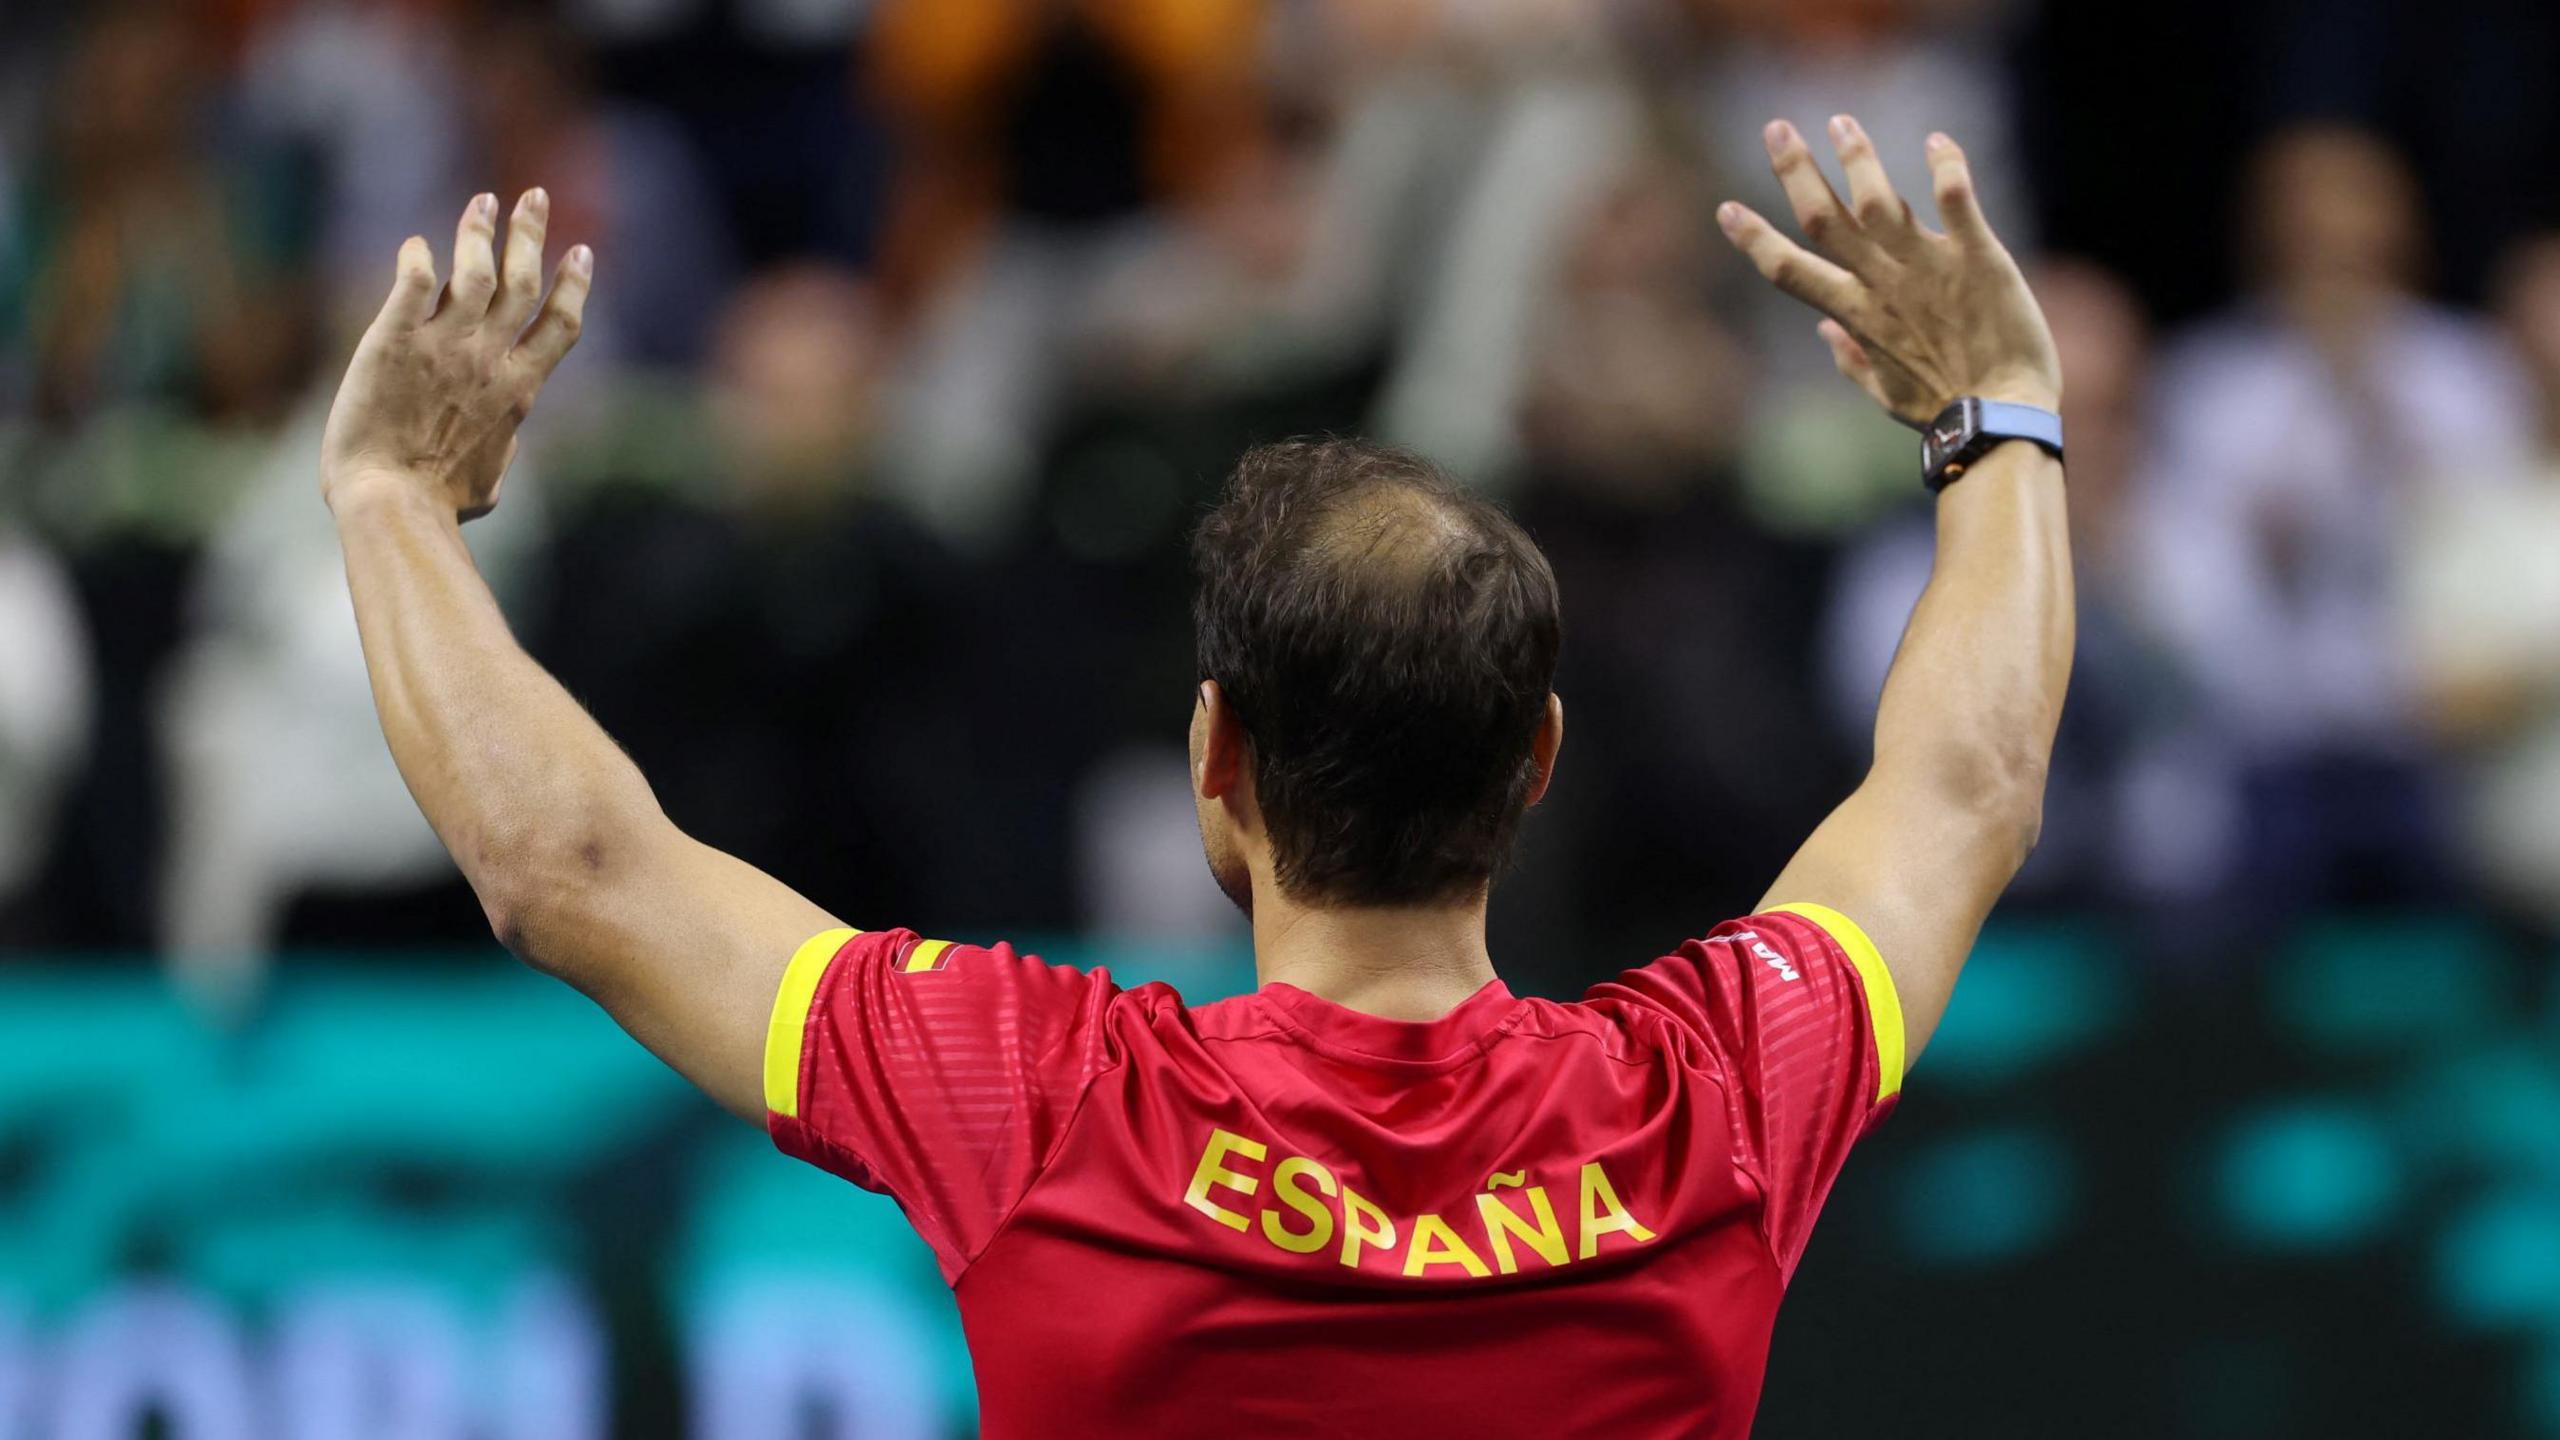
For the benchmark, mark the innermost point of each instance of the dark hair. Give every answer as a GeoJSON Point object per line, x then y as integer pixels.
{"type": "Point", "coordinates": [1388, 642]}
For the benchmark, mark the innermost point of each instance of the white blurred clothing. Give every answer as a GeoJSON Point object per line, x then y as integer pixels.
{"type": "Point", "coordinates": [2280, 488]}
{"type": "Point", "coordinates": [1544, 152]}
{"type": "Point", "coordinates": [372, 87]}
{"type": "Point", "coordinates": [45, 690]}
{"type": "Point", "coordinates": [279, 777]}
{"type": "Point", "coordinates": [2144, 803]}
{"type": "Point", "coordinates": [2482, 595]}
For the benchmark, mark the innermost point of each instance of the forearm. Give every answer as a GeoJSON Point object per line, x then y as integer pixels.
{"type": "Point", "coordinates": [580, 872]}
{"type": "Point", "coordinates": [1919, 318]}
{"type": "Point", "coordinates": [532, 798]}
{"type": "Point", "coordinates": [1971, 704]}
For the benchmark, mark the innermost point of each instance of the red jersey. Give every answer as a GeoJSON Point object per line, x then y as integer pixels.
{"type": "Point", "coordinates": [1276, 1216]}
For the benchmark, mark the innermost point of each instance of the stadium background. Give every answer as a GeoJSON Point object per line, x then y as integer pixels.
{"type": "Point", "coordinates": [923, 327]}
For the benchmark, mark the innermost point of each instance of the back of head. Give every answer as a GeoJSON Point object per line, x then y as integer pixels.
{"type": "Point", "coordinates": [1388, 643]}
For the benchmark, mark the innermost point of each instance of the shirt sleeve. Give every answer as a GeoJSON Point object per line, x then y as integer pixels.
{"type": "Point", "coordinates": [941, 1075]}
{"type": "Point", "coordinates": [1795, 1006]}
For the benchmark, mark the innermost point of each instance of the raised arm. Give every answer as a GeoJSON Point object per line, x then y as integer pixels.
{"type": "Point", "coordinates": [581, 874]}
{"type": "Point", "coordinates": [1919, 318]}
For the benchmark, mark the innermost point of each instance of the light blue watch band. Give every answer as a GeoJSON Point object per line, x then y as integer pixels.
{"type": "Point", "coordinates": [2008, 421]}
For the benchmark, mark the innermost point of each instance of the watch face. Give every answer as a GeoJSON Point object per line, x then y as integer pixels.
{"type": "Point", "coordinates": [1947, 435]}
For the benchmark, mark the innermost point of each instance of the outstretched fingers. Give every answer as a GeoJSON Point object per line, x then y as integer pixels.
{"type": "Point", "coordinates": [1883, 218]}
{"type": "Point", "coordinates": [1819, 213]}
{"type": "Point", "coordinates": [475, 268]}
{"type": "Point", "coordinates": [1952, 181]}
{"type": "Point", "coordinates": [563, 316]}
{"type": "Point", "coordinates": [520, 274]}
{"type": "Point", "coordinates": [1787, 265]}
{"type": "Point", "coordinates": [413, 287]}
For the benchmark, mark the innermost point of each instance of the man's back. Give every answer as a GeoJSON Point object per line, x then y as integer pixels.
{"type": "Point", "coordinates": [1277, 1215]}
{"type": "Point", "coordinates": [1373, 714]}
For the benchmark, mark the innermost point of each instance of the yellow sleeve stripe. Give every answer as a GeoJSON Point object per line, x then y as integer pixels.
{"type": "Point", "coordinates": [789, 1028]}
{"type": "Point", "coordinates": [926, 955]}
{"type": "Point", "coordinates": [1884, 1004]}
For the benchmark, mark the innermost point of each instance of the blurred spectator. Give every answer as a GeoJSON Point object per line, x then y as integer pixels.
{"type": "Point", "coordinates": [2294, 437]}
{"type": "Point", "coordinates": [1035, 137]}
{"type": "Point", "coordinates": [795, 147]}
{"type": "Point", "coordinates": [2484, 618]}
{"type": "Point", "coordinates": [1536, 152]}
{"type": "Point", "coordinates": [148, 269]}
{"type": "Point", "coordinates": [1635, 385]}
{"type": "Point", "coordinates": [796, 370]}
{"type": "Point", "coordinates": [1063, 113]}
{"type": "Point", "coordinates": [776, 646]}
{"type": "Point", "coordinates": [2139, 809]}
{"type": "Point", "coordinates": [1240, 290]}
{"type": "Point", "coordinates": [1696, 760]}
{"type": "Point", "coordinates": [369, 90]}
{"type": "Point", "coordinates": [939, 504]}
{"type": "Point", "coordinates": [44, 707]}
{"type": "Point", "coordinates": [622, 178]}
{"type": "Point", "coordinates": [280, 786]}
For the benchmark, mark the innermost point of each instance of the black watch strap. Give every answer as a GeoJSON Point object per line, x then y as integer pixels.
{"type": "Point", "coordinates": [1967, 430]}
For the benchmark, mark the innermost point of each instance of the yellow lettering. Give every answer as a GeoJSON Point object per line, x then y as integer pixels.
{"type": "Point", "coordinates": [1597, 1196]}
{"type": "Point", "coordinates": [1434, 1243]}
{"type": "Point", "coordinates": [1319, 1231]}
{"type": "Point", "coordinates": [1304, 1185]}
{"type": "Point", "coordinates": [1211, 1172]}
{"type": "Point", "coordinates": [1502, 1222]}
{"type": "Point", "coordinates": [1378, 1234]}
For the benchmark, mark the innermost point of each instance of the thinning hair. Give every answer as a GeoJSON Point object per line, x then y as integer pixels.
{"type": "Point", "coordinates": [1388, 642]}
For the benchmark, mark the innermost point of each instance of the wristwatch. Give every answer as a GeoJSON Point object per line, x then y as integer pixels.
{"type": "Point", "coordinates": [1965, 431]}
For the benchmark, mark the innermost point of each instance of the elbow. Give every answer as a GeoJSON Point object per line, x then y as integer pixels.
{"type": "Point", "coordinates": [539, 888]}
{"type": "Point", "coordinates": [516, 918]}
{"type": "Point", "coordinates": [514, 926]}
{"type": "Point", "coordinates": [2026, 828]}
{"type": "Point", "coordinates": [526, 915]}
{"type": "Point", "coordinates": [2000, 791]}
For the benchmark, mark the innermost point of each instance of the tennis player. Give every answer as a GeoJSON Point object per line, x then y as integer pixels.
{"type": "Point", "coordinates": [1380, 1195]}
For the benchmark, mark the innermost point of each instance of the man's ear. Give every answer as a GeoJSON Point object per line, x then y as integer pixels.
{"type": "Point", "coordinates": [1217, 745]}
{"type": "Point", "coordinates": [1544, 745]}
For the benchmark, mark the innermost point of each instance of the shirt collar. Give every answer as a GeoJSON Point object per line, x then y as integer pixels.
{"type": "Point", "coordinates": [1340, 1028]}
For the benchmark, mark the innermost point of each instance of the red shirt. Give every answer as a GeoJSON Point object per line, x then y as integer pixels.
{"type": "Point", "coordinates": [1276, 1216]}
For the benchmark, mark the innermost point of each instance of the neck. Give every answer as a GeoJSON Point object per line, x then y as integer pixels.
{"type": "Point", "coordinates": [1397, 963]}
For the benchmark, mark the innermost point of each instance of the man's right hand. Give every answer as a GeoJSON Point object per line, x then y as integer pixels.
{"type": "Point", "coordinates": [579, 869]}
{"type": "Point", "coordinates": [1917, 317]}
{"type": "Point", "coordinates": [439, 384]}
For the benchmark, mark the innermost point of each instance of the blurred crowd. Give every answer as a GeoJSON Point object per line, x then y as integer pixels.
{"type": "Point", "coordinates": [923, 328]}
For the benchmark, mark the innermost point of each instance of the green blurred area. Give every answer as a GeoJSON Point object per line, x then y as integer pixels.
{"type": "Point", "coordinates": [2318, 1198]}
